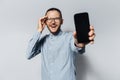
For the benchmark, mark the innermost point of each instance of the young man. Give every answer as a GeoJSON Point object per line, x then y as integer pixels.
{"type": "Point", "coordinates": [58, 48]}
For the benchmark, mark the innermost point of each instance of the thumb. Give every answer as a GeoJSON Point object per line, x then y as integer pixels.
{"type": "Point", "coordinates": [75, 37]}
{"type": "Point", "coordinates": [74, 34]}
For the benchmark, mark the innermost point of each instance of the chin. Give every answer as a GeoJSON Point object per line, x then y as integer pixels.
{"type": "Point", "coordinates": [54, 31]}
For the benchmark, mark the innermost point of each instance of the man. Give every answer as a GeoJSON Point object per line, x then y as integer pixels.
{"type": "Point", "coordinates": [58, 48]}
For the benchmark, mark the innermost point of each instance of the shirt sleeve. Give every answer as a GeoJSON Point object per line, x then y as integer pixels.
{"type": "Point", "coordinates": [76, 49]}
{"type": "Point", "coordinates": [33, 47]}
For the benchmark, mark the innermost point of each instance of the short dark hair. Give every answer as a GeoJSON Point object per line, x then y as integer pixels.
{"type": "Point", "coordinates": [56, 9]}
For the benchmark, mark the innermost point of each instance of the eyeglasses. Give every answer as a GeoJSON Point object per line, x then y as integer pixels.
{"type": "Point", "coordinates": [57, 19]}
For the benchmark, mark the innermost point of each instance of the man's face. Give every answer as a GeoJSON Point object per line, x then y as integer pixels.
{"type": "Point", "coordinates": [54, 21]}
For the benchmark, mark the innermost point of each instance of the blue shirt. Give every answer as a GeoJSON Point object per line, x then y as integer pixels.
{"type": "Point", "coordinates": [58, 53]}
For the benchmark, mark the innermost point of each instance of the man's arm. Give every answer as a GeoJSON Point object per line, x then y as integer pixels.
{"type": "Point", "coordinates": [81, 46]}
{"type": "Point", "coordinates": [75, 48]}
{"type": "Point", "coordinates": [33, 46]}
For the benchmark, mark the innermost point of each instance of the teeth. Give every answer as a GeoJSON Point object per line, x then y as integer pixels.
{"type": "Point", "coordinates": [53, 26]}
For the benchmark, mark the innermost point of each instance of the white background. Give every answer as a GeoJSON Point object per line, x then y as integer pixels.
{"type": "Point", "coordinates": [18, 22]}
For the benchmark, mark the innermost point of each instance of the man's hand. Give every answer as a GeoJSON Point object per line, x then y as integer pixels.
{"type": "Point", "coordinates": [41, 23]}
{"type": "Point", "coordinates": [91, 38]}
{"type": "Point", "coordinates": [91, 35]}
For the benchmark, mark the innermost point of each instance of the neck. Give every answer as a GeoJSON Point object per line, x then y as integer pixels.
{"type": "Point", "coordinates": [56, 33]}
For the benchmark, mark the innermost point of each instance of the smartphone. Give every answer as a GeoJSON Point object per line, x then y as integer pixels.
{"type": "Point", "coordinates": [82, 26]}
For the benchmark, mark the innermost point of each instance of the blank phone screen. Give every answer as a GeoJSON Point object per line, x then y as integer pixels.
{"type": "Point", "coordinates": [82, 27]}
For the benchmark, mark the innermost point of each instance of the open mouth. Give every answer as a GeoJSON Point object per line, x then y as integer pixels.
{"type": "Point", "coordinates": [53, 26]}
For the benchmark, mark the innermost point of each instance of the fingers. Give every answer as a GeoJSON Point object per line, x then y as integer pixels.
{"type": "Point", "coordinates": [92, 32]}
{"type": "Point", "coordinates": [42, 20]}
{"type": "Point", "coordinates": [91, 35]}
{"type": "Point", "coordinates": [92, 42]}
{"type": "Point", "coordinates": [42, 23]}
{"type": "Point", "coordinates": [80, 45]}
{"type": "Point", "coordinates": [91, 27]}
{"type": "Point", "coordinates": [75, 37]}
{"type": "Point", "coordinates": [75, 34]}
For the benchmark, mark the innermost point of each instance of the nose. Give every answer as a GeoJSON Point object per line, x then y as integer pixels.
{"type": "Point", "coordinates": [53, 20]}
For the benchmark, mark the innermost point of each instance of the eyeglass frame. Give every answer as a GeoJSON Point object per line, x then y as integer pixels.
{"type": "Point", "coordinates": [55, 19]}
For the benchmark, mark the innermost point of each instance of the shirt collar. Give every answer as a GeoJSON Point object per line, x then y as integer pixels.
{"type": "Point", "coordinates": [58, 34]}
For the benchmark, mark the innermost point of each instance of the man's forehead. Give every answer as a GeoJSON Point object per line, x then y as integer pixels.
{"type": "Point", "coordinates": [53, 12]}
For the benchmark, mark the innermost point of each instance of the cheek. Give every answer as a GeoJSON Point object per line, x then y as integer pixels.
{"type": "Point", "coordinates": [59, 23]}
